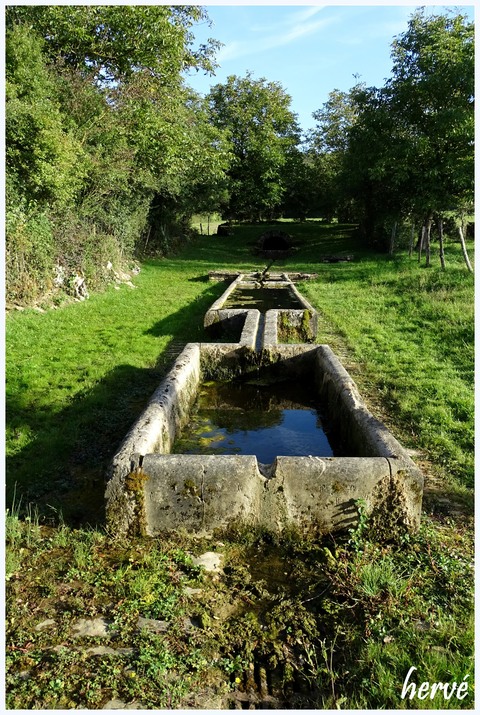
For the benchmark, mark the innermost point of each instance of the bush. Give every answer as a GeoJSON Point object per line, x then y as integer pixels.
{"type": "Point", "coordinates": [29, 254]}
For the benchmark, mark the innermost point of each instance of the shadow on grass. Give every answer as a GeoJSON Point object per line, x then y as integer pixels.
{"type": "Point", "coordinates": [312, 239]}
{"type": "Point", "coordinates": [61, 472]}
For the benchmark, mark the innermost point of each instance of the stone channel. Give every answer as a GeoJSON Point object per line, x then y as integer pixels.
{"type": "Point", "coordinates": [151, 490]}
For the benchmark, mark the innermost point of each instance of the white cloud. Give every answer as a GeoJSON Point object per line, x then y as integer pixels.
{"type": "Point", "coordinates": [368, 29]}
{"type": "Point", "coordinates": [293, 18]}
{"type": "Point", "coordinates": [289, 29]}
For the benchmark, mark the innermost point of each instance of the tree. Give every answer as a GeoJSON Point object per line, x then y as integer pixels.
{"type": "Point", "coordinates": [262, 132]}
{"type": "Point", "coordinates": [45, 162]}
{"type": "Point", "coordinates": [375, 167]}
{"type": "Point", "coordinates": [410, 151]}
{"type": "Point", "coordinates": [301, 187]}
{"type": "Point", "coordinates": [433, 101]}
{"type": "Point", "coordinates": [99, 125]}
{"type": "Point", "coordinates": [114, 42]}
{"type": "Point", "coordinates": [328, 144]}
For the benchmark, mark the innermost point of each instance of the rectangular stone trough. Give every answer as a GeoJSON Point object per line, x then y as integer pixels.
{"type": "Point", "coordinates": [150, 490]}
{"type": "Point", "coordinates": [297, 313]}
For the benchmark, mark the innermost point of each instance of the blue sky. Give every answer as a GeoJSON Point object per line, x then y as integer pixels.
{"type": "Point", "coordinates": [309, 49]}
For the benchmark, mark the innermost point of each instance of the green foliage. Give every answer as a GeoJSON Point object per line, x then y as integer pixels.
{"type": "Point", "coordinates": [262, 131]}
{"type": "Point", "coordinates": [404, 150]}
{"type": "Point", "coordinates": [102, 135]}
{"type": "Point", "coordinates": [411, 150]}
{"type": "Point", "coordinates": [115, 42]}
{"type": "Point", "coordinates": [45, 162]}
{"type": "Point", "coordinates": [29, 253]}
{"type": "Point", "coordinates": [432, 92]}
{"type": "Point", "coordinates": [357, 534]}
{"type": "Point", "coordinates": [79, 574]}
{"type": "Point", "coordinates": [327, 150]}
{"type": "Point", "coordinates": [333, 626]}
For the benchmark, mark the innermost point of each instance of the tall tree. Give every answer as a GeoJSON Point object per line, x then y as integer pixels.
{"type": "Point", "coordinates": [410, 152]}
{"type": "Point", "coordinates": [114, 42]}
{"type": "Point", "coordinates": [433, 102]}
{"type": "Point", "coordinates": [328, 144]}
{"type": "Point", "coordinates": [99, 124]}
{"type": "Point", "coordinates": [262, 131]}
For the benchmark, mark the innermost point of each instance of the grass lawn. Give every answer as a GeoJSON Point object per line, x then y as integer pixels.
{"type": "Point", "coordinates": [357, 614]}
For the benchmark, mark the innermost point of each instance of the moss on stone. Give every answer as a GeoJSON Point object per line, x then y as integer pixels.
{"type": "Point", "coordinates": [134, 484]}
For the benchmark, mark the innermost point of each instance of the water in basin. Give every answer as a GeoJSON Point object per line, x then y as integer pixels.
{"type": "Point", "coordinates": [255, 417]}
{"type": "Point", "coordinates": [263, 299]}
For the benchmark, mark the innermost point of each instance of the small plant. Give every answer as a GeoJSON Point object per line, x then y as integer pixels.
{"type": "Point", "coordinates": [357, 534]}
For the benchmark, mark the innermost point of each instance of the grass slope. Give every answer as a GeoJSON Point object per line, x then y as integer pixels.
{"type": "Point", "coordinates": [354, 614]}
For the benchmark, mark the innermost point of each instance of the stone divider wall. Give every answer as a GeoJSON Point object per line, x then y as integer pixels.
{"type": "Point", "coordinates": [154, 432]}
{"type": "Point", "coordinates": [217, 314]}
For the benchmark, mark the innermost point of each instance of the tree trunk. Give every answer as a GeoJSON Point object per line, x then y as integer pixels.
{"type": "Point", "coordinates": [440, 239]}
{"type": "Point", "coordinates": [412, 235]}
{"type": "Point", "coordinates": [392, 239]}
{"type": "Point", "coordinates": [427, 241]}
{"type": "Point", "coordinates": [464, 249]}
{"type": "Point", "coordinates": [420, 243]}
{"type": "Point", "coordinates": [208, 225]}
{"type": "Point", "coordinates": [148, 236]}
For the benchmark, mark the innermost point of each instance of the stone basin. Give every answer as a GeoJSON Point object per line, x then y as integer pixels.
{"type": "Point", "coordinates": [151, 490]}
{"type": "Point", "coordinates": [258, 326]}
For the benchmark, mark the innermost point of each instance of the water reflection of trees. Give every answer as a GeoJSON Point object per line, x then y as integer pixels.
{"type": "Point", "coordinates": [250, 405]}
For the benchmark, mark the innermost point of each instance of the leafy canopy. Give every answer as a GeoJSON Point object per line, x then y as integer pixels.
{"type": "Point", "coordinates": [262, 131]}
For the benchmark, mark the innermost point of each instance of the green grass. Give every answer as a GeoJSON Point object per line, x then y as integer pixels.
{"type": "Point", "coordinates": [410, 331]}
{"type": "Point", "coordinates": [353, 614]}
{"type": "Point", "coordinates": [77, 377]}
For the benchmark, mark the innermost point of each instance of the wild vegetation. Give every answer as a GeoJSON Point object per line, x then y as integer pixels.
{"type": "Point", "coordinates": [106, 145]}
{"type": "Point", "coordinates": [109, 156]}
{"type": "Point", "coordinates": [340, 630]}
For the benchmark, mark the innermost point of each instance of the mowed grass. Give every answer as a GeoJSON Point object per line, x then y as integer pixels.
{"type": "Point", "coordinates": [353, 615]}
{"type": "Point", "coordinates": [77, 378]}
{"type": "Point", "coordinates": [410, 334]}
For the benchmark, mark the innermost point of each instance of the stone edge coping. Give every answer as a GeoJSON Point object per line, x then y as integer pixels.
{"type": "Point", "coordinates": [142, 438]}
{"type": "Point", "coordinates": [205, 492]}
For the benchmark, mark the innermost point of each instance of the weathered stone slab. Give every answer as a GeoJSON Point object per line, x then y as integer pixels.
{"type": "Point", "coordinates": [210, 561]}
{"type": "Point", "coordinates": [152, 491]}
{"type": "Point", "coordinates": [322, 492]}
{"type": "Point", "coordinates": [154, 431]}
{"type": "Point", "coordinates": [296, 319]}
{"type": "Point", "coordinates": [117, 704]}
{"type": "Point", "coordinates": [361, 430]}
{"type": "Point", "coordinates": [336, 259]}
{"type": "Point", "coordinates": [204, 493]}
{"type": "Point", "coordinates": [92, 628]}
{"type": "Point", "coordinates": [200, 492]}
{"type": "Point", "coordinates": [222, 276]}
